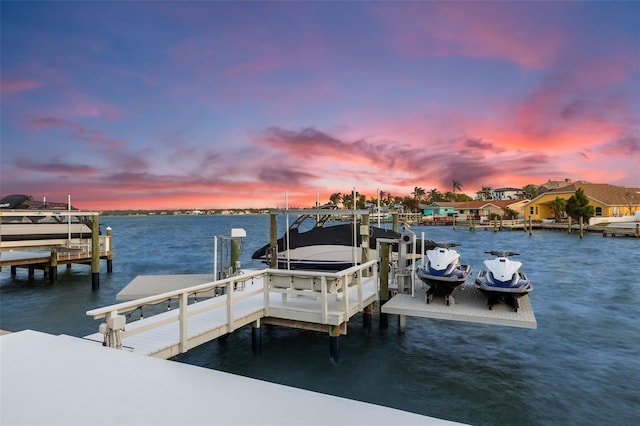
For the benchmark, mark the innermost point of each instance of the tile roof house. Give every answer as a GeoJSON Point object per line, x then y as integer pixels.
{"type": "Point", "coordinates": [607, 200]}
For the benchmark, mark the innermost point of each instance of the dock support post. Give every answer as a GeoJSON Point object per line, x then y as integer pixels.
{"type": "Point", "coordinates": [366, 317]}
{"type": "Point", "coordinates": [14, 270]}
{"type": "Point", "coordinates": [364, 232]}
{"type": "Point", "coordinates": [453, 224]}
{"type": "Point", "coordinates": [581, 226]}
{"type": "Point", "coordinates": [384, 283]}
{"type": "Point", "coordinates": [394, 217]}
{"type": "Point", "coordinates": [95, 254]}
{"type": "Point", "coordinates": [495, 225]}
{"type": "Point", "coordinates": [31, 272]}
{"type": "Point", "coordinates": [256, 338]}
{"type": "Point", "coordinates": [530, 226]}
{"type": "Point", "coordinates": [402, 324]}
{"type": "Point", "coordinates": [569, 226]}
{"type": "Point", "coordinates": [109, 251]}
{"type": "Point", "coordinates": [500, 223]}
{"type": "Point", "coordinates": [273, 241]}
{"type": "Point", "coordinates": [53, 267]}
{"type": "Point", "coordinates": [637, 233]}
{"type": "Point", "coordinates": [334, 347]}
{"type": "Point", "coordinates": [235, 255]}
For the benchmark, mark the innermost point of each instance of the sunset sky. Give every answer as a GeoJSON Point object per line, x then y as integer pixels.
{"type": "Point", "coordinates": [231, 104]}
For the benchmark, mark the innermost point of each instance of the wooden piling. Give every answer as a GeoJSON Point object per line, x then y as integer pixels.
{"type": "Point", "coordinates": [384, 283]}
{"type": "Point", "coordinates": [334, 347]}
{"type": "Point", "coordinates": [235, 254]}
{"type": "Point", "coordinates": [109, 251]}
{"type": "Point", "coordinates": [273, 241]}
{"type": "Point", "coordinates": [569, 226]}
{"type": "Point", "coordinates": [53, 266]}
{"type": "Point", "coordinates": [581, 226]}
{"type": "Point", "coordinates": [95, 253]}
{"type": "Point", "coordinates": [637, 233]}
{"type": "Point", "coordinates": [364, 232]}
{"type": "Point", "coordinates": [530, 226]}
{"type": "Point", "coordinates": [394, 217]}
{"type": "Point", "coordinates": [256, 338]}
{"type": "Point", "coordinates": [366, 317]}
{"type": "Point", "coordinates": [402, 324]}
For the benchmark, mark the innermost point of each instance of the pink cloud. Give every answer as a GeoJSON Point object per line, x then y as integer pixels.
{"type": "Point", "coordinates": [10, 86]}
{"type": "Point", "coordinates": [474, 29]}
{"type": "Point", "coordinates": [92, 137]}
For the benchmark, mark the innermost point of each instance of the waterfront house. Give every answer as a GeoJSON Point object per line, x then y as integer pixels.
{"type": "Point", "coordinates": [482, 211]}
{"type": "Point", "coordinates": [607, 200]}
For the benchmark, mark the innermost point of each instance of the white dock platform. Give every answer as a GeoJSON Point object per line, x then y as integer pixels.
{"type": "Point", "coordinates": [297, 298]}
{"type": "Point", "coordinates": [149, 285]}
{"type": "Point", "coordinates": [62, 380]}
{"type": "Point", "coordinates": [470, 306]}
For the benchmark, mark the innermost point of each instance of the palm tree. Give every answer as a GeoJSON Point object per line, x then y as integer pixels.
{"type": "Point", "coordinates": [485, 193]}
{"type": "Point", "coordinates": [557, 207]}
{"type": "Point", "coordinates": [456, 185]}
{"type": "Point", "coordinates": [418, 193]}
{"type": "Point", "coordinates": [435, 195]}
{"type": "Point", "coordinates": [335, 198]}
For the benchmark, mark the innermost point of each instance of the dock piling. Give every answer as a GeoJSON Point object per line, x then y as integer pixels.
{"type": "Point", "coordinates": [95, 253]}
{"type": "Point", "coordinates": [256, 338]}
{"type": "Point", "coordinates": [109, 251]}
{"type": "Point", "coordinates": [53, 267]}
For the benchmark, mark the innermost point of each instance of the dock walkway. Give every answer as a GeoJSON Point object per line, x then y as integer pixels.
{"type": "Point", "coordinates": [301, 299]}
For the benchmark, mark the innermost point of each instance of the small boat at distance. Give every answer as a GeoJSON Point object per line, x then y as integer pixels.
{"type": "Point", "coordinates": [503, 281]}
{"type": "Point", "coordinates": [443, 271]}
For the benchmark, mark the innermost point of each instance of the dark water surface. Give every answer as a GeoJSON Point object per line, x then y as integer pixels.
{"type": "Point", "coordinates": [581, 366]}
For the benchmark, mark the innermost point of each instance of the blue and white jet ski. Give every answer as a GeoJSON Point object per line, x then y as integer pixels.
{"type": "Point", "coordinates": [502, 281]}
{"type": "Point", "coordinates": [443, 271]}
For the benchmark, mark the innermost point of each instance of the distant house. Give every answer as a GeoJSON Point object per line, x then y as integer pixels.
{"type": "Point", "coordinates": [439, 209]}
{"type": "Point", "coordinates": [482, 210]}
{"type": "Point", "coordinates": [507, 193]}
{"type": "Point", "coordinates": [607, 200]}
{"type": "Point", "coordinates": [555, 184]}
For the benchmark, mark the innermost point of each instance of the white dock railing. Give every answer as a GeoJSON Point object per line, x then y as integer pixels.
{"type": "Point", "coordinates": [328, 298]}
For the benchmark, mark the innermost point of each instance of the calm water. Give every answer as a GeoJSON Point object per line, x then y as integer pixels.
{"type": "Point", "coordinates": [581, 366]}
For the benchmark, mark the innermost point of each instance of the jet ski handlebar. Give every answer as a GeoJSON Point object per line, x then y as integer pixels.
{"type": "Point", "coordinates": [502, 253]}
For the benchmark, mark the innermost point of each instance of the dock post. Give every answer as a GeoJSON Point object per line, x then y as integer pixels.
{"type": "Point", "coordinates": [334, 347]}
{"type": "Point", "coordinates": [109, 251]}
{"type": "Point", "coordinates": [384, 283]}
{"type": "Point", "coordinates": [364, 233]}
{"type": "Point", "coordinates": [530, 226]}
{"type": "Point", "coordinates": [402, 324]}
{"type": "Point", "coordinates": [453, 224]}
{"type": "Point", "coordinates": [31, 272]}
{"type": "Point", "coordinates": [53, 266]}
{"type": "Point", "coordinates": [256, 338]}
{"type": "Point", "coordinates": [581, 226]}
{"type": "Point", "coordinates": [14, 270]}
{"type": "Point", "coordinates": [95, 254]}
{"type": "Point", "coordinates": [500, 223]}
{"type": "Point", "coordinates": [637, 233]}
{"type": "Point", "coordinates": [273, 241]}
{"type": "Point", "coordinates": [366, 317]}
{"type": "Point", "coordinates": [495, 225]}
{"type": "Point", "coordinates": [569, 226]}
{"type": "Point", "coordinates": [394, 217]}
{"type": "Point", "coordinates": [235, 254]}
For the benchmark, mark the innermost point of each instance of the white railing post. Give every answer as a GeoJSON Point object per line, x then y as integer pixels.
{"type": "Point", "coordinates": [266, 288]}
{"type": "Point", "coordinates": [184, 304]}
{"type": "Point", "coordinates": [230, 306]}
{"type": "Point", "coordinates": [323, 290]}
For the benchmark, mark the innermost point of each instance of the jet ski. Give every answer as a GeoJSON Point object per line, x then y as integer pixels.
{"type": "Point", "coordinates": [322, 243]}
{"type": "Point", "coordinates": [502, 281]}
{"type": "Point", "coordinates": [443, 271]}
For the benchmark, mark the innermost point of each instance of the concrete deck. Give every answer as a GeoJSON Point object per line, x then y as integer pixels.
{"type": "Point", "coordinates": [61, 380]}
